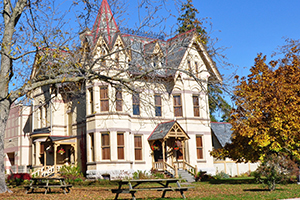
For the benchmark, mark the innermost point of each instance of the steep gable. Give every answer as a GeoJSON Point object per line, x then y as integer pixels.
{"type": "Point", "coordinates": [105, 23]}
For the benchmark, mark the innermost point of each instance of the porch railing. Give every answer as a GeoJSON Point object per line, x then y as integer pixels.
{"type": "Point", "coordinates": [45, 171]}
{"type": "Point", "coordinates": [186, 166]}
{"type": "Point", "coordinates": [165, 167]}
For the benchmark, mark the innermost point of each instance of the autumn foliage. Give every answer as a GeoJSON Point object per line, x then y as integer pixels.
{"type": "Point", "coordinates": [267, 113]}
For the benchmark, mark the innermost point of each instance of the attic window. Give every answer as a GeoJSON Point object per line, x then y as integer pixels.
{"type": "Point", "coordinates": [189, 65]}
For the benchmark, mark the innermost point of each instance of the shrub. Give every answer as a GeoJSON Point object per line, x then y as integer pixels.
{"type": "Point", "coordinates": [157, 174]}
{"type": "Point", "coordinates": [221, 175]}
{"type": "Point", "coordinates": [18, 178]}
{"type": "Point", "coordinates": [71, 173]}
{"type": "Point", "coordinates": [276, 168]}
{"type": "Point", "coordinates": [199, 176]}
{"type": "Point", "coordinates": [141, 174]}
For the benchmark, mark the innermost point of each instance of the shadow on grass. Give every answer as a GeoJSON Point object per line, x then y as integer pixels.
{"type": "Point", "coordinates": [261, 190]}
{"type": "Point", "coordinates": [248, 180]}
{"type": "Point", "coordinates": [256, 190]}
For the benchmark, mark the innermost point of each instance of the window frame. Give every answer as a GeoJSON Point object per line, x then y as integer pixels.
{"type": "Point", "coordinates": [121, 146]}
{"type": "Point", "coordinates": [157, 105]}
{"type": "Point", "coordinates": [91, 100]}
{"type": "Point", "coordinates": [104, 99]}
{"type": "Point", "coordinates": [138, 149]}
{"type": "Point", "coordinates": [196, 105]}
{"type": "Point", "coordinates": [104, 146]}
{"type": "Point", "coordinates": [177, 107]}
{"type": "Point", "coordinates": [136, 104]}
{"type": "Point", "coordinates": [199, 147]}
{"type": "Point", "coordinates": [119, 99]}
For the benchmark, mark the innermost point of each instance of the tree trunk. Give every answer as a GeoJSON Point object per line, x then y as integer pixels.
{"type": "Point", "coordinates": [4, 112]}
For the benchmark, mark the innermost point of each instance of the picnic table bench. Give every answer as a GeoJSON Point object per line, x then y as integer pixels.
{"type": "Point", "coordinates": [44, 182]}
{"type": "Point", "coordinates": [133, 186]}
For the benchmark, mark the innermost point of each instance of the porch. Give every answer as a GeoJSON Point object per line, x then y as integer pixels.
{"type": "Point", "coordinates": [168, 145]}
{"type": "Point", "coordinates": [56, 152]}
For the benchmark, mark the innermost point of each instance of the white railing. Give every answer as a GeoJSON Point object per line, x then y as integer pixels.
{"type": "Point", "coordinates": [46, 171]}
{"type": "Point", "coordinates": [158, 165]}
{"type": "Point", "coordinates": [170, 169]}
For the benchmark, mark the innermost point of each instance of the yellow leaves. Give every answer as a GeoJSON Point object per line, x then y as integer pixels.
{"type": "Point", "coordinates": [63, 80]}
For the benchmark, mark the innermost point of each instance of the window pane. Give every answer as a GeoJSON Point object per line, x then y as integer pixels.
{"type": "Point", "coordinates": [104, 98]}
{"type": "Point", "coordinates": [157, 99]}
{"type": "Point", "coordinates": [199, 147]}
{"type": "Point", "coordinates": [138, 154]}
{"type": "Point", "coordinates": [120, 152]}
{"type": "Point", "coordinates": [157, 111]}
{"type": "Point", "coordinates": [196, 106]}
{"type": "Point", "coordinates": [177, 105]}
{"type": "Point", "coordinates": [119, 99]}
{"type": "Point", "coordinates": [136, 104]}
{"type": "Point", "coordinates": [138, 147]}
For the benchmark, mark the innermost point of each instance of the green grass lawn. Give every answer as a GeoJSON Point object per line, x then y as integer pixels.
{"type": "Point", "coordinates": [234, 188]}
{"type": "Point", "coordinates": [205, 190]}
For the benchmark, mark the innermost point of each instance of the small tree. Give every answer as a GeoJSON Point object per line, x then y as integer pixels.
{"type": "Point", "coordinates": [276, 168]}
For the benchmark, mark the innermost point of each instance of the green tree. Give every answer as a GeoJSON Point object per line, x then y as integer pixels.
{"type": "Point", "coordinates": [188, 21]}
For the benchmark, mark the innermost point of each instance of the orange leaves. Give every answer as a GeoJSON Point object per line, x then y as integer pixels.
{"type": "Point", "coordinates": [267, 117]}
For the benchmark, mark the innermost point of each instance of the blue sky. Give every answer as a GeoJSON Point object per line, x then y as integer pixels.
{"type": "Point", "coordinates": [246, 27]}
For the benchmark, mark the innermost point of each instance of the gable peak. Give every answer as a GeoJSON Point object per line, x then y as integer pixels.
{"type": "Point", "coordinates": [105, 23]}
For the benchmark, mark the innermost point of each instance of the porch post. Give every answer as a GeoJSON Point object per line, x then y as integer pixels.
{"type": "Point", "coordinates": [183, 153]}
{"type": "Point", "coordinates": [45, 159]}
{"type": "Point", "coordinates": [55, 152]}
{"type": "Point", "coordinates": [164, 159]}
{"type": "Point", "coordinates": [75, 153]}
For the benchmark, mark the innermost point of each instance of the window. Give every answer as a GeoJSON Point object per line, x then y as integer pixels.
{"type": "Point", "coordinates": [70, 120]}
{"type": "Point", "coordinates": [92, 144]}
{"type": "Point", "coordinates": [45, 115]}
{"type": "Point", "coordinates": [41, 116]}
{"type": "Point", "coordinates": [105, 146]}
{"type": "Point", "coordinates": [196, 105]}
{"type": "Point", "coordinates": [189, 65]}
{"type": "Point", "coordinates": [157, 102]}
{"type": "Point", "coordinates": [177, 105]}
{"type": "Point", "coordinates": [196, 67]}
{"type": "Point", "coordinates": [136, 103]}
{"type": "Point", "coordinates": [120, 143]}
{"type": "Point", "coordinates": [138, 147]}
{"type": "Point", "coordinates": [104, 98]}
{"type": "Point", "coordinates": [199, 146]}
{"type": "Point", "coordinates": [119, 100]}
{"type": "Point", "coordinates": [91, 100]}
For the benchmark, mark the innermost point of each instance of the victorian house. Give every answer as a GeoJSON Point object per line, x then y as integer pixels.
{"type": "Point", "coordinates": [162, 122]}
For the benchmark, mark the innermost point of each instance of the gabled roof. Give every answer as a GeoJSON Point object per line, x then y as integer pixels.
{"type": "Point", "coordinates": [168, 129]}
{"type": "Point", "coordinates": [174, 48]}
{"type": "Point", "coordinates": [222, 131]}
{"type": "Point", "coordinates": [105, 23]}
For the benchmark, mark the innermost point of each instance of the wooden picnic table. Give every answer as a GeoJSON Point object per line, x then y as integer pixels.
{"type": "Point", "coordinates": [134, 183]}
{"type": "Point", "coordinates": [47, 183]}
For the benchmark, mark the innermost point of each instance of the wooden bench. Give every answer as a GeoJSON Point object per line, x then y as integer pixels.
{"type": "Point", "coordinates": [163, 182]}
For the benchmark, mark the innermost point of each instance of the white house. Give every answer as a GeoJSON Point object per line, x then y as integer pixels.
{"type": "Point", "coordinates": [162, 122]}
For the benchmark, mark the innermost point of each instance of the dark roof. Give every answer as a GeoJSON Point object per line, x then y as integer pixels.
{"type": "Point", "coordinates": [161, 130]}
{"type": "Point", "coordinates": [222, 131]}
{"type": "Point", "coordinates": [41, 130]}
{"type": "Point", "coordinates": [57, 138]}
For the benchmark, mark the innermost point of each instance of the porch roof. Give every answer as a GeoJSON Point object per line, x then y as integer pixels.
{"type": "Point", "coordinates": [62, 139]}
{"type": "Point", "coordinates": [168, 129]}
